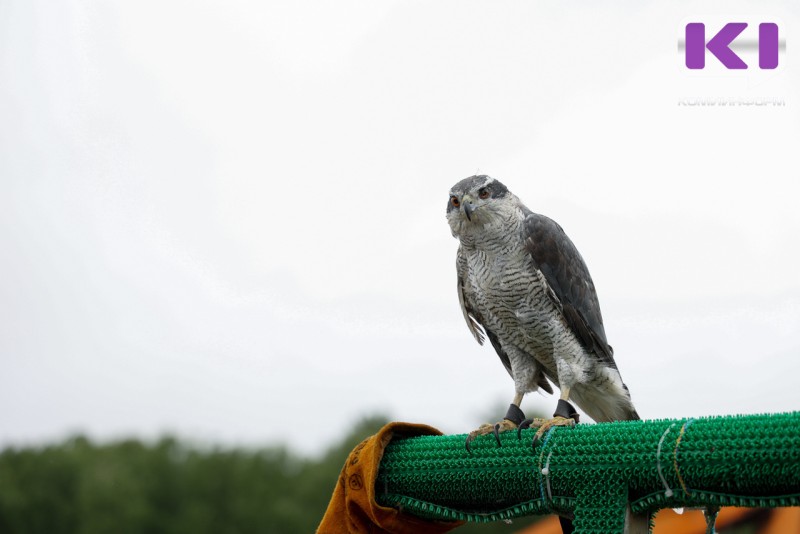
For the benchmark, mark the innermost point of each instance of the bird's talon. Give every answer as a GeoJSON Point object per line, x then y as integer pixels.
{"type": "Point", "coordinates": [496, 433]}
{"type": "Point", "coordinates": [522, 426]}
{"type": "Point", "coordinates": [468, 441]}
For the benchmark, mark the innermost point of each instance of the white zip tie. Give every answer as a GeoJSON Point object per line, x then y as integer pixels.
{"type": "Point", "coordinates": [546, 473]}
{"type": "Point", "coordinates": [667, 493]}
{"type": "Point", "coordinates": [546, 469]}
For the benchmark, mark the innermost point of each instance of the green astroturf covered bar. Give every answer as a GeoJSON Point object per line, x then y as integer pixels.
{"type": "Point", "coordinates": [595, 470]}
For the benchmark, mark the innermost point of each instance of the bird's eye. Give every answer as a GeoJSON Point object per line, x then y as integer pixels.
{"type": "Point", "coordinates": [483, 193]}
{"type": "Point", "coordinates": [454, 201]}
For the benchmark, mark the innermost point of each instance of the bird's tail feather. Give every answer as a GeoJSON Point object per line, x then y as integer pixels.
{"type": "Point", "coordinates": [604, 407]}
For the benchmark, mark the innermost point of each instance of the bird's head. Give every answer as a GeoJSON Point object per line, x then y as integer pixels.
{"type": "Point", "coordinates": [478, 202]}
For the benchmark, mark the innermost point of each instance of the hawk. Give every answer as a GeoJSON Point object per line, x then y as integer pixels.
{"type": "Point", "coordinates": [523, 285]}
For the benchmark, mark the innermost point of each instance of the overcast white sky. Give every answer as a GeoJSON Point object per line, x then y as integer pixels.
{"type": "Point", "coordinates": [226, 219]}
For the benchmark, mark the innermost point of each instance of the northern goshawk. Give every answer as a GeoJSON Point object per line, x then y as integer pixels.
{"type": "Point", "coordinates": [523, 284]}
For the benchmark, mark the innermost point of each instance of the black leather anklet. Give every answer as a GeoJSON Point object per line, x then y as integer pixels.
{"type": "Point", "coordinates": [565, 410]}
{"type": "Point", "coordinates": [514, 414]}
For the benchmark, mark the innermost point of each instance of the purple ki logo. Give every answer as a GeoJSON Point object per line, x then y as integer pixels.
{"type": "Point", "coordinates": [719, 45]}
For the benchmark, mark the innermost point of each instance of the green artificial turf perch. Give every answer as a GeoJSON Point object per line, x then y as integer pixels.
{"type": "Point", "coordinates": [596, 471]}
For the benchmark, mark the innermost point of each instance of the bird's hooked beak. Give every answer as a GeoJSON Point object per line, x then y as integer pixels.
{"type": "Point", "coordinates": [468, 207]}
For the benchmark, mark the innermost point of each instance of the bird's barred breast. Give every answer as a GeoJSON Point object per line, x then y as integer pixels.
{"type": "Point", "coordinates": [512, 300]}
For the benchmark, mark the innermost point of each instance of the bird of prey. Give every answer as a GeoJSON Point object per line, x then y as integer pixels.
{"type": "Point", "coordinates": [524, 285]}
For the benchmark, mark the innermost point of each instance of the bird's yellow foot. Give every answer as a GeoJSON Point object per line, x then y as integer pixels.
{"type": "Point", "coordinates": [514, 417]}
{"type": "Point", "coordinates": [543, 425]}
{"type": "Point", "coordinates": [503, 426]}
{"type": "Point", "coordinates": [565, 415]}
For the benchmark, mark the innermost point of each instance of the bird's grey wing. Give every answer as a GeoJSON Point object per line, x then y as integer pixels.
{"type": "Point", "coordinates": [570, 284]}
{"type": "Point", "coordinates": [474, 321]}
{"type": "Point", "coordinates": [470, 316]}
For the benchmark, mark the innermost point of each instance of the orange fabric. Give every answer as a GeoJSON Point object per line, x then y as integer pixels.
{"type": "Point", "coordinates": [693, 521]}
{"type": "Point", "coordinates": [783, 521]}
{"type": "Point", "coordinates": [353, 509]}
{"type": "Point", "coordinates": [548, 525]}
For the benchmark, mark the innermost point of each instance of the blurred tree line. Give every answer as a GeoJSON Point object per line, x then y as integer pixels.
{"type": "Point", "coordinates": [79, 487]}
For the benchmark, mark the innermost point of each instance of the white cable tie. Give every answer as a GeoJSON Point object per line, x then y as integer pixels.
{"type": "Point", "coordinates": [546, 473]}
{"type": "Point", "coordinates": [669, 492]}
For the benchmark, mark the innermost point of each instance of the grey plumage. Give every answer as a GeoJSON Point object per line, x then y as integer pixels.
{"type": "Point", "coordinates": [523, 284]}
